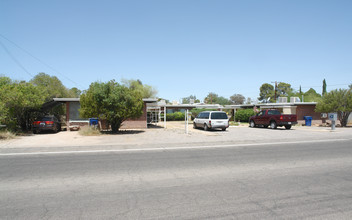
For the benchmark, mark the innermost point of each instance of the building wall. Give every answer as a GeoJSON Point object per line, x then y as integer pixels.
{"type": "Point", "coordinates": [139, 123]}
{"type": "Point", "coordinates": [307, 110]}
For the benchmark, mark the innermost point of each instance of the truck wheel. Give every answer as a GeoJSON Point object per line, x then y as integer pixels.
{"type": "Point", "coordinates": [251, 124]}
{"type": "Point", "coordinates": [288, 126]}
{"type": "Point", "coordinates": [224, 129]}
{"type": "Point", "coordinates": [206, 128]}
{"type": "Point", "coordinates": [273, 125]}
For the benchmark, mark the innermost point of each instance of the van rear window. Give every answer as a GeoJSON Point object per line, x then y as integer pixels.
{"type": "Point", "coordinates": [219, 115]}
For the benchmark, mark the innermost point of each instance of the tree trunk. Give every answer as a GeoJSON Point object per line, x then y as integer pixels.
{"type": "Point", "coordinates": [343, 117]}
{"type": "Point", "coordinates": [115, 125]}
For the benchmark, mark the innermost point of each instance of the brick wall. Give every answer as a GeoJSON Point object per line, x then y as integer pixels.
{"type": "Point", "coordinates": [308, 110]}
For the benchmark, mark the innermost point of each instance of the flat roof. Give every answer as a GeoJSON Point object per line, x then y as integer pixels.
{"type": "Point", "coordinates": [272, 104]}
{"type": "Point", "coordinates": [66, 99]}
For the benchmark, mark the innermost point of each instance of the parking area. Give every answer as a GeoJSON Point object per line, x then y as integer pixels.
{"type": "Point", "coordinates": [173, 136]}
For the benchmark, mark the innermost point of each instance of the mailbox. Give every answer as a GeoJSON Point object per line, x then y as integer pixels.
{"type": "Point", "coordinates": [332, 116]}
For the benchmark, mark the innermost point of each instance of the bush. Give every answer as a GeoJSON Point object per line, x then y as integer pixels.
{"type": "Point", "coordinates": [243, 115]}
{"type": "Point", "coordinates": [89, 131]}
{"type": "Point", "coordinates": [196, 111]}
{"type": "Point", "coordinates": [177, 116]}
{"type": "Point", "coordinates": [6, 135]}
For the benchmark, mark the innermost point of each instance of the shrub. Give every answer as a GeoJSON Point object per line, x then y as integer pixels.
{"type": "Point", "coordinates": [89, 131]}
{"type": "Point", "coordinates": [243, 115]}
{"type": "Point", "coordinates": [177, 116]}
{"type": "Point", "coordinates": [196, 111]}
{"type": "Point", "coordinates": [6, 135]}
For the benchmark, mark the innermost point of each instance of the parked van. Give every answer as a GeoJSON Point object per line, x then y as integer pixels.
{"type": "Point", "coordinates": [211, 120]}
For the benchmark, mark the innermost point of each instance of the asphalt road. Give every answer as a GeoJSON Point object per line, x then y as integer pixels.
{"type": "Point", "coordinates": [281, 181]}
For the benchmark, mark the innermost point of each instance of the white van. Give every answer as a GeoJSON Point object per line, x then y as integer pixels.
{"type": "Point", "coordinates": [211, 119]}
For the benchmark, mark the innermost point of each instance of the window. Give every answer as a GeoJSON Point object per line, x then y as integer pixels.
{"type": "Point", "coordinates": [219, 115]}
{"type": "Point", "coordinates": [273, 112]}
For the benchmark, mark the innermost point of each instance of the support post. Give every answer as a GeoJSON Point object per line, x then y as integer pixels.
{"type": "Point", "coordinates": [68, 116]}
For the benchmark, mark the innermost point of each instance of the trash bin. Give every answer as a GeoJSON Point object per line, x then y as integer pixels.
{"type": "Point", "coordinates": [308, 120]}
{"type": "Point", "coordinates": [93, 122]}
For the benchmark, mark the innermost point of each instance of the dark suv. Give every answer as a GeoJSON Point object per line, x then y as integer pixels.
{"type": "Point", "coordinates": [47, 123]}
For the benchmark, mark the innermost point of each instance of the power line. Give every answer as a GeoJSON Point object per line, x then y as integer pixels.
{"type": "Point", "coordinates": [39, 60]}
{"type": "Point", "coordinates": [15, 60]}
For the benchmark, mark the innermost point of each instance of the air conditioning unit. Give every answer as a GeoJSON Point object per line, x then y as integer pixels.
{"type": "Point", "coordinates": [282, 100]}
{"type": "Point", "coordinates": [295, 99]}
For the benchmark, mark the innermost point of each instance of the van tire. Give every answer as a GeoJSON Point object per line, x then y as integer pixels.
{"type": "Point", "coordinates": [206, 128]}
{"type": "Point", "coordinates": [194, 125]}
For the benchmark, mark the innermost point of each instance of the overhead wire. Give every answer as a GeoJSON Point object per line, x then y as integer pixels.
{"type": "Point", "coordinates": [14, 59]}
{"type": "Point", "coordinates": [36, 58]}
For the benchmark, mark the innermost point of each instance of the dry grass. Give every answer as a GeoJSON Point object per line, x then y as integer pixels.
{"type": "Point", "coordinates": [6, 135]}
{"type": "Point", "coordinates": [89, 131]}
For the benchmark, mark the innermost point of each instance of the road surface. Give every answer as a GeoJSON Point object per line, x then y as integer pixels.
{"type": "Point", "coordinates": [271, 181]}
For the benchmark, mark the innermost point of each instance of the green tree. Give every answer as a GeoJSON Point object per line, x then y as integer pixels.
{"type": "Point", "coordinates": [312, 96]}
{"type": "Point", "coordinates": [146, 90]}
{"type": "Point", "coordinates": [20, 103]}
{"type": "Point", "coordinates": [213, 98]}
{"type": "Point", "coordinates": [187, 100]}
{"type": "Point", "coordinates": [283, 89]}
{"type": "Point", "coordinates": [350, 86]}
{"type": "Point", "coordinates": [237, 99]}
{"type": "Point", "coordinates": [339, 101]}
{"type": "Point", "coordinates": [74, 93]}
{"type": "Point", "coordinates": [51, 85]}
{"type": "Point", "coordinates": [111, 101]}
{"type": "Point", "coordinates": [266, 92]}
{"type": "Point", "coordinates": [324, 87]}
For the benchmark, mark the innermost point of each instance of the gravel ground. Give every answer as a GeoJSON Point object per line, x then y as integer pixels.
{"type": "Point", "coordinates": [174, 135]}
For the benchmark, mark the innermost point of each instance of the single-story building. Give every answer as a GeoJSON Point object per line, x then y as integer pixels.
{"type": "Point", "coordinates": [73, 118]}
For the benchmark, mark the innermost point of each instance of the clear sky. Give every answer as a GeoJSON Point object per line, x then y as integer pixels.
{"type": "Point", "coordinates": [181, 47]}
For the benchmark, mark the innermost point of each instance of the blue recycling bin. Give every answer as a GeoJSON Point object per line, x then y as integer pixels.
{"type": "Point", "coordinates": [308, 120]}
{"type": "Point", "coordinates": [93, 122]}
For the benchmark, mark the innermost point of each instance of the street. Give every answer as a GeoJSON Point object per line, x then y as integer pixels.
{"type": "Point", "coordinates": [269, 181]}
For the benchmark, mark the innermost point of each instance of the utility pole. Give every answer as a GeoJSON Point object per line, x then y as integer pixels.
{"type": "Point", "coordinates": [275, 89]}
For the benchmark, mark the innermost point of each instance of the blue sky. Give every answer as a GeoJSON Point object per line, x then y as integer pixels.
{"type": "Point", "coordinates": [181, 47]}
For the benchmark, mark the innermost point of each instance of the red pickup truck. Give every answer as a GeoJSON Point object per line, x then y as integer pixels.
{"type": "Point", "coordinates": [272, 118]}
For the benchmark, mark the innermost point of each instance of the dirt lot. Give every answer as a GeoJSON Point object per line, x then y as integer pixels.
{"type": "Point", "coordinates": [173, 135]}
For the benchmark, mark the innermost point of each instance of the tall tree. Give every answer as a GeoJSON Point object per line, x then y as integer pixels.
{"type": "Point", "coordinates": [283, 89]}
{"type": "Point", "coordinates": [112, 102]}
{"type": "Point", "coordinates": [339, 101]}
{"type": "Point", "coordinates": [324, 87]}
{"type": "Point", "coordinates": [312, 96]}
{"type": "Point", "coordinates": [51, 85]}
{"type": "Point", "coordinates": [146, 90]}
{"type": "Point", "coordinates": [187, 100]}
{"type": "Point", "coordinates": [213, 98]}
{"type": "Point", "coordinates": [237, 99]}
{"type": "Point", "coordinates": [266, 92]}
{"type": "Point", "coordinates": [350, 86]}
